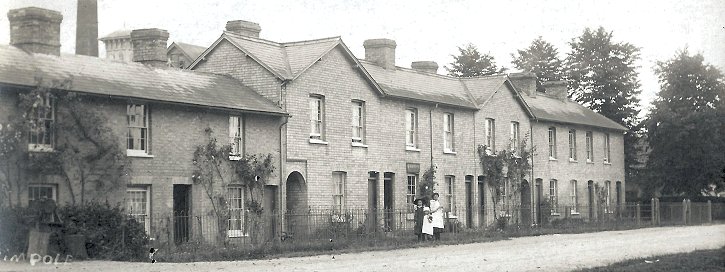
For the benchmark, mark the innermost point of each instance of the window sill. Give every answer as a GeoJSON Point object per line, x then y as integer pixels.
{"type": "Point", "coordinates": [413, 149]}
{"type": "Point", "coordinates": [555, 214]}
{"type": "Point", "coordinates": [354, 144]}
{"type": "Point", "coordinates": [573, 161]}
{"type": "Point", "coordinates": [451, 152]}
{"type": "Point", "coordinates": [138, 154]}
{"type": "Point", "coordinates": [317, 141]}
{"type": "Point", "coordinates": [40, 148]}
{"type": "Point", "coordinates": [552, 159]}
{"type": "Point", "coordinates": [590, 162]}
{"type": "Point", "coordinates": [607, 163]}
{"type": "Point", "coordinates": [575, 213]}
{"type": "Point", "coordinates": [235, 157]}
{"type": "Point", "coordinates": [236, 234]}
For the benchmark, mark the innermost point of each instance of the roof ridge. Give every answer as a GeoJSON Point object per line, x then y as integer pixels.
{"type": "Point", "coordinates": [311, 41]}
{"type": "Point", "coordinates": [253, 39]}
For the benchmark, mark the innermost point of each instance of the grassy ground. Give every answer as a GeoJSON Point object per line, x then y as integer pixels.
{"type": "Point", "coordinates": [702, 260]}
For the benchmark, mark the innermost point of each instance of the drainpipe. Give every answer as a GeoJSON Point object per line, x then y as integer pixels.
{"type": "Point", "coordinates": [430, 126]}
{"type": "Point", "coordinates": [533, 179]}
{"type": "Point", "coordinates": [281, 192]}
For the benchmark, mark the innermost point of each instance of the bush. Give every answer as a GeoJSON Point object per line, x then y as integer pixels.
{"type": "Point", "coordinates": [13, 231]}
{"type": "Point", "coordinates": [110, 233]}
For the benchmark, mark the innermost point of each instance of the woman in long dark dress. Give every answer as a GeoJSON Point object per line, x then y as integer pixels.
{"type": "Point", "coordinates": [419, 217]}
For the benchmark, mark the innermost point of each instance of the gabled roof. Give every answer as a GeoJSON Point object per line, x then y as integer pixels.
{"type": "Point", "coordinates": [191, 51]}
{"type": "Point", "coordinates": [99, 76]}
{"type": "Point", "coordinates": [411, 84]}
{"type": "Point", "coordinates": [285, 60]}
{"type": "Point", "coordinates": [556, 110]}
{"type": "Point", "coordinates": [483, 88]}
{"type": "Point", "coordinates": [123, 33]}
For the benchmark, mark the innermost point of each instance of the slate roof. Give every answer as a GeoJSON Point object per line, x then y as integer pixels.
{"type": "Point", "coordinates": [553, 109]}
{"type": "Point", "coordinates": [133, 80]}
{"type": "Point", "coordinates": [286, 60]}
{"type": "Point", "coordinates": [193, 51]}
{"type": "Point", "coordinates": [123, 33]}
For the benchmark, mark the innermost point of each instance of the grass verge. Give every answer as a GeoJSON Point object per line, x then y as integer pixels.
{"type": "Point", "coordinates": [701, 260]}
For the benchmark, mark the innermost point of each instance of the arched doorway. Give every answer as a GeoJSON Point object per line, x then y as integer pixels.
{"type": "Point", "coordinates": [296, 215]}
{"type": "Point", "coordinates": [525, 203]}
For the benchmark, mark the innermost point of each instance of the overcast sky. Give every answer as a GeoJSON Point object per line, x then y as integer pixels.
{"type": "Point", "coordinates": [423, 30]}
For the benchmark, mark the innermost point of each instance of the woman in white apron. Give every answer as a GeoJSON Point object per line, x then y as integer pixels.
{"type": "Point", "coordinates": [437, 212]}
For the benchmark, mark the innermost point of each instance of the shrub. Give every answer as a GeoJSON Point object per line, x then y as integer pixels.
{"type": "Point", "coordinates": [110, 233]}
{"type": "Point", "coordinates": [13, 231]}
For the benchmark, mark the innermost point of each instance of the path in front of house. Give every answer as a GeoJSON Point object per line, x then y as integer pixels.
{"type": "Point", "coordinates": [542, 253]}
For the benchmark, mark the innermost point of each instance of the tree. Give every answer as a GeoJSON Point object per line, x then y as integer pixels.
{"type": "Point", "coordinates": [602, 76]}
{"type": "Point", "coordinates": [85, 151]}
{"type": "Point", "coordinates": [540, 58]}
{"type": "Point", "coordinates": [686, 127]}
{"type": "Point", "coordinates": [471, 63]}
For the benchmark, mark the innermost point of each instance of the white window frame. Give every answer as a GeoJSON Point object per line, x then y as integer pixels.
{"type": "Point", "coordinates": [608, 196]}
{"type": "Point", "coordinates": [572, 145]}
{"type": "Point", "coordinates": [552, 143]}
{"type": "Point", "coordinates": [236, 125]}
{"type": "Point", "coordinates": [338, 191]}
{"type": "Point", "coordinates": [450, 194]}
{"type": "Point", "coordinates": [410, 190]}
{"type": "Point", "coordinates": [35, 194]}
{"type": "Point", "coordinates": [411, 129]}
{"type": "Point", "coordinates": [358, 122]}
{"type": "Point", "coordinates": [43, 139]}
{"type": "Point", "coordinates": [137, 128]}
{"type": "Point", "coordinates": [554, 196]}
{"type": "Point", "coordinates": [607, 154]}
{"type": "Point", "coordinates": [449, 142]}
{"type": "Point", "coordinates": [574, 199]}
{"type": "Point", "coordinates": [515, 137]}
{"type": "Point", "coordinates": [490, 130]}
{"type": "Point", "coordinates": [590, 146]}
{"type": "Point", "coordinates": [317, 118]}
{"type": "Point", "coordinates": [132, 206]}
{"type": "Point", "coordinates": [236, 224]}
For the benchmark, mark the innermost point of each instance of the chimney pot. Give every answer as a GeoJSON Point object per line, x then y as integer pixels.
{"type": "Point", "coordinates": [425, 66]}
{"type": "Point", "coordinates": [149, 46]}
{"type": "Point", "coordinates": [244, 28]}
{"type": "Point", "coordinates": [35, 30]}
{"type": "Point", "coordinates": [381, 52]}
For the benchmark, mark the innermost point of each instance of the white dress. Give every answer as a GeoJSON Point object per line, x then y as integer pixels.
{"type": "Point", "coordinates": [427, 225]}
{"type": "Point", "coordinates": [437, 215]}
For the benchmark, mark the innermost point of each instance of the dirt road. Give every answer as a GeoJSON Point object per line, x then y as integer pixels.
{"type": "Point", "coordinates": [543, 253]}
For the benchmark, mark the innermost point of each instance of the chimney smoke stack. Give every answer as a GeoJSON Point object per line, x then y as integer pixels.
{"type": "Point", "coordinates": [244, 28]}
{"type": "Point", "coordinates": [87, 28]}
{"type": "Point", "coordinates": [381, 52]}
{"type": "Point", "coordinates": [35, 30]}
{"type": "Point", "coordinates": [149, 46]}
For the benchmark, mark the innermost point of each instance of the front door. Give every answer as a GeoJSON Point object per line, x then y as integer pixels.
{"type": "Point", "coordinates": [539, 192]}
{"type": "Point", "coordinates": [270, 211]}
{"type": "Point", "coordinates": [481, 202]}
{"type": "Point", "coordinates": [525, 204]}
{"type": "Point", "coordinates": [469, 201]}
{"type": "Point", "coordinates": [182, 209]}
{"type": "Point", "coordinates": [372, 200]}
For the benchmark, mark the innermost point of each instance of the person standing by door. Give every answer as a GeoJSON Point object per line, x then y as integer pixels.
{"type": "Point", "coordinates": [437, 212]}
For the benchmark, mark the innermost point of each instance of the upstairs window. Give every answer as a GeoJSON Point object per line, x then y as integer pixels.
{"type": "Point", "coordinates": [411, 128]}
{"type": "Point", "coordinates": [42, 130]}
{"type": "Point", "coordinates": [358, 122]}
{"type": "Point", "coordinates": [607, 158]}
{"type": "Point", "coordinates": [490, 135]}
{"type": "Point", "coordinates": [552, 143]}
{"type": "Point", "coordinates": [235, 135]}
{"type": "Point", "coordinates": [317, 117]}
{"type": "Point", "coordinates": [515, 137]}
{"type": "Point", "coordinates": [590, 147]}
{"type": "Point", "coordinates": [448, 130]}
{"type": "Point", "coordinates": [137, 117]}
{"type": "Point", "coordinates": [572, 145]}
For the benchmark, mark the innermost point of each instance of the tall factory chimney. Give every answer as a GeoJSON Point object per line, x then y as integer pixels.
{"type": "Point", "coordinates": [87, 28]}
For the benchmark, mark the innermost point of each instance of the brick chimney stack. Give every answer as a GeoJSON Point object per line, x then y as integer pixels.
{"type": "Point", "coordinates": [556, 88]}
{"type": "Point", "coordinates": [525, 82]}
{"type": "Point", "coordinates": [244, 28]}
{"type": "Point", "coordinates": [149, 46]}
{"type": "Point", "coordinates": [87, 28]}
{"type": "Point", "coordinates": [381, 52]}
{"type": "Point", "coordinates": [35, 30]}
{"type": "Point", "coordinates": [425, 66]}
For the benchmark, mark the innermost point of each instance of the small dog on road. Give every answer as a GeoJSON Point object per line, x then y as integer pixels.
{"type": "Point", "coordinates": [152, 252]}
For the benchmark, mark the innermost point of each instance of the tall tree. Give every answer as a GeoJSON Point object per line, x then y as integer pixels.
{"type": "Point", "coordinates": [471, 63]}
{"type": "Point", "coordinates": [686, 127]}
{"type": "Point", "coordinates": [602, 76]}
{"type": "Point", "coordinates": [540, 58]}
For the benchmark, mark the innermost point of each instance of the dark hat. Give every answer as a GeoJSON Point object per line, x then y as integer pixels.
{"type": "Point", "coordinates": [424, 199]}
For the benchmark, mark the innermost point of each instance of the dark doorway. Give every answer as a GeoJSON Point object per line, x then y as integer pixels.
{"type": "Point", "coordinates": [373, 200]}
{"type": "Point", "coordinates": [481, 201]}
{"type": "Point", "coordinates": [388, 198]}
{"type": "Point", "coordinates": [270, 210]}
{"type": "Point", "coordinates": [590, 193]}
{"type": "Point", "coordinates": [182, 209]}
{"type": "Point", "coordinates": [539, 192]}
{"type": "Point", "coordinates": [525, 203]}
{"type": "Point", "coordinates": [469, 201]}
{"type": "Point", "coordinates": [295, 218]}
{"type": "Point", "coordinates": [618, 194]}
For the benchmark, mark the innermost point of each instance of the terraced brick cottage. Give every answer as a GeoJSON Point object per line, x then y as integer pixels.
{"type": "Point", "coordinates": [159, 114]}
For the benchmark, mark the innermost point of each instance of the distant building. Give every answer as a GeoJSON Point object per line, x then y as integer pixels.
{"type": "Point", "coordinates": [179, 55]}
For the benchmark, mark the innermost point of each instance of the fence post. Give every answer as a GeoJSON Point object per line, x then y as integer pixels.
{"type": "Point", "coordinates": [684, 211]}
{"type": "Point", "coordinates": [637, 216]}
{"type": "Point", "coordinates": [709, 211]}
{"type": "Point", "coordinates": [654, 211]}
